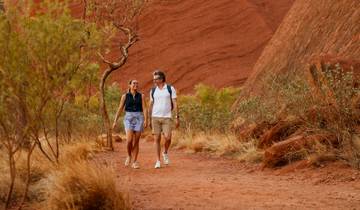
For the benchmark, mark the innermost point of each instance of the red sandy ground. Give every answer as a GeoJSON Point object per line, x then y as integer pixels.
{"type": "Point", "coordinates": [203, 182]}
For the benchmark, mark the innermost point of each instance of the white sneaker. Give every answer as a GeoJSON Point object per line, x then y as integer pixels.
{"type": "Point", "coordinates": [157, 164]}
{"type": "Point", "coordinates": [135, 165]}
{"type": "Point", "coordinates": [166, 159]}
{"type": "Point", "coordinates": [127, 161]}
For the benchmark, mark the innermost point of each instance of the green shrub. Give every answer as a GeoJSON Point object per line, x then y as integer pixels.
{"type": "Point", "coordinates": [82, 117]}
{"type": "Point", "coordinates": [209, 109]}
{"type": "Point", "coordinates": [253, 109]}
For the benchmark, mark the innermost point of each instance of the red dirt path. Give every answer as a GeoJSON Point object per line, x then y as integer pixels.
{"type": "Point", "coordinates": [203, 182]}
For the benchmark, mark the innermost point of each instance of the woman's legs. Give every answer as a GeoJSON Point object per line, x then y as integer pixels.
{"type": "Point", "coordinates": [129, 142]}
{"type": "Point", "coordinates": [137, 136]}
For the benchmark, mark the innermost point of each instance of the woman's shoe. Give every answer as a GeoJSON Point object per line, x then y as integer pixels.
{"type": "Point", "coordinates": [127, 161]}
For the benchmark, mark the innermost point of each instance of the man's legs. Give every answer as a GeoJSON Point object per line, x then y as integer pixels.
{"type": "Point", "coordinates": [157, 138]}
{"type": "Point", "coordinates": [167, 142]}
{"type": "Point", "coordinates": [156, 130]}
{"type": "Point", "coordinates": [167, 127]}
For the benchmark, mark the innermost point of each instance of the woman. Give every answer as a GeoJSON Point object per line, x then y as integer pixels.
{"type": "Point", "coordinates": [135, 120]}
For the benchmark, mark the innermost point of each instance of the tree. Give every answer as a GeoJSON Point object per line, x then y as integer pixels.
{"type": "Point", "coordinates": [41, 57]}
{"type": "Point", "coordinates": [118, 17]}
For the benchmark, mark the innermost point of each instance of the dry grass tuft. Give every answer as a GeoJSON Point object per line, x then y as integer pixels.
{"type": "Point", "coordinates": [250, 153]}
{"type": "Point", "coordinates": [5, 180]}
{"type": "Point", "coordinates": [84, 185]}
{"type": "Point", "coordinates": [102, 142]}
{"type": "Point", "coordinates": [40, 168]}
{"type": "Point", "coordinates": [73, 183]}
{"type": "Point", "coordinates": [78, 151]}
{"type": "Point", "coordinates": [218, 144]}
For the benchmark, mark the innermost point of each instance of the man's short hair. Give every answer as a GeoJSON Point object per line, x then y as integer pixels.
{"type": "Point", "coordinates": [160, 74]}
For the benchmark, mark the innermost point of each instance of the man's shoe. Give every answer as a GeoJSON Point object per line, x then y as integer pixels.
{"type": "Point", "coordinates": [166, 159]}
{"type": "Point", "coordinates": [135, 165]}
{"type": "Point", "coordinates": [127, 161]}
{"type": "Point", "coordinates": [157, 164]}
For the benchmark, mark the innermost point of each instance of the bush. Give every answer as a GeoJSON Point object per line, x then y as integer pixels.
{"type": "Point", "coordinates": [253, 109]}
{"type": "Point", "coordinates": [209, 109]}
{"type": "Point", "coordinates": [324, 100]}
{"type": "Point", "coordinates": [82, 116]}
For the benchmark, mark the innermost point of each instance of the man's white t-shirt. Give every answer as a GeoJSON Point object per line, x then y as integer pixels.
{"type": "Point", "coordinates": [162, 102]}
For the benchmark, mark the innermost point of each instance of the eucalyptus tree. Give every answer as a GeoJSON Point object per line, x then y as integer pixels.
{"type": "Point", "coordinates": [119, 19]}
{"type": "Point", "coordinates": [42, 57]}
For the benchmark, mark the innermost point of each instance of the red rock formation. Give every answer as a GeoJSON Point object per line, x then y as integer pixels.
{"type": "Point", "coordinates": [193, 41]}
{"type": "Point", "coordinates": [311, 28]}
{"type": "Point", "coordinates": [214, 42]}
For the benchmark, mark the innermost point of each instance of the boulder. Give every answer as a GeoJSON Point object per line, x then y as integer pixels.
{"type": "Point", "coordinates": [282, 152]}
{"type": "Point", "coordinates": [282, 130]}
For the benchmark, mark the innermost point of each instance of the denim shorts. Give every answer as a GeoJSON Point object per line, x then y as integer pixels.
{"type": "Point", "coordinates": [134, 121]}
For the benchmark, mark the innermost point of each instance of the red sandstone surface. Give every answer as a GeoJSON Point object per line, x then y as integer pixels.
{"type": "Point", "coordinates": [198, 41]}
{"type": "Point", "coordinates": [310, 29]}
{"type": "Point", "coordinates": [213, 42]}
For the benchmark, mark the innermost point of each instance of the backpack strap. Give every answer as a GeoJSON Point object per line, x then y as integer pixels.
{"type": "Point", "coordinates": [170, 92]}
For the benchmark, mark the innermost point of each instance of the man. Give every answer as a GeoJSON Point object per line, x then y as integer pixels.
{"type": "Point", "coordinates": [162, 102]}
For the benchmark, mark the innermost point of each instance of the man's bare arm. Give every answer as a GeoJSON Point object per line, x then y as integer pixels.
{"type": "Point", "coordinates": [176, 109]}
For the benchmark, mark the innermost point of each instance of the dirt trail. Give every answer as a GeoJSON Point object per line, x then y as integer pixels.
{"type": "Point", "coordinates": [203, 182]}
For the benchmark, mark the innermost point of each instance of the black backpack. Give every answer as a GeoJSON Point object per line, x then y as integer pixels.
{"type": "Point", "coordinates": [170, 92]}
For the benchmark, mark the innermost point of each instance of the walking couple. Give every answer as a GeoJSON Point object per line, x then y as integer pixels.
{"type": "Point", "coordinates": [162, 103]}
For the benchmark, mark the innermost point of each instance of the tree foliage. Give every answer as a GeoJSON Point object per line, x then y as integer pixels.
{"type": "Point", "coordinates": [45, 63]}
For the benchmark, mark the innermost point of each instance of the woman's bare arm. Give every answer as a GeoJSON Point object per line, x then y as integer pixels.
{"type": "Point", "coordinates": [144, 110]}
{"type": "Point", "coordinates": [121, 107]}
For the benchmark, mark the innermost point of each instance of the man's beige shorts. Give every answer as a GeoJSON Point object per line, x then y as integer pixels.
{"type": "Point", "coordinates": [161, 125]}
